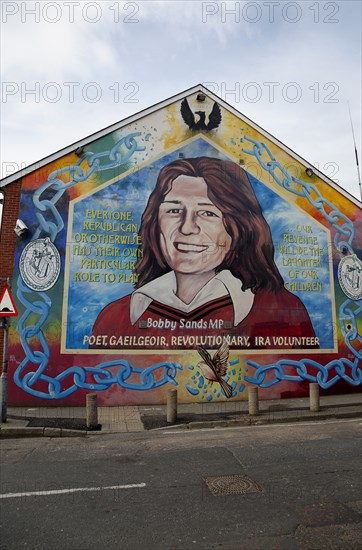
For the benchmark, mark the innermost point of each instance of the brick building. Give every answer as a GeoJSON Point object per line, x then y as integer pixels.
{"type": "Point", "coordinates": [184, 246]}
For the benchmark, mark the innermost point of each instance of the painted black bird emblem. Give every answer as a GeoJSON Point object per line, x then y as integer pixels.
{"type": "Point", "coordinates": [189, 118]}
{"type": "Point", "coordinates": [213, 368]}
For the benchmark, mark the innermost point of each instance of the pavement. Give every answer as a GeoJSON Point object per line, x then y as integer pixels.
{"type": "Point", "coordinates": [70, 421]}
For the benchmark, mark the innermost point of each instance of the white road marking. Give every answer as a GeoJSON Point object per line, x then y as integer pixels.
{"type": "Point", "coordinates": [274, 425]}
{"type": "Point", "coordinates": [72, 490]}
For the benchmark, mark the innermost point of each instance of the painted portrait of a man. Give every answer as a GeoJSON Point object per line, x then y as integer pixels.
{"type": "Point", "coordinates": [207, 265]}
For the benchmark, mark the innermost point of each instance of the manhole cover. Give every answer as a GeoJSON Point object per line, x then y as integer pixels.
{"type": "Point", "coordinates": [232, 485]}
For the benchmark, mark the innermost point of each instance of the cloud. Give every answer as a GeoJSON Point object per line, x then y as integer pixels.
{"type": "Point", "coordinates": [162, 48]}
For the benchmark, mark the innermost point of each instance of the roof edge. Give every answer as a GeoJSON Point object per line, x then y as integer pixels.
{"type": "Point", "coordinates": [159, 105]}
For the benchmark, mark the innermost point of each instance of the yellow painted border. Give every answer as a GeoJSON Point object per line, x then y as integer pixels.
{"type": "Point", "coordinates": [274, 187]}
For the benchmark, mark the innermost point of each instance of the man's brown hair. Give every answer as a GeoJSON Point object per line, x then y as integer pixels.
{"type": "Point", "coordinates": [251, 255]}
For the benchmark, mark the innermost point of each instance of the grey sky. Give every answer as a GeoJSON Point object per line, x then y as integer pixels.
{"type": "Point", "coordinates": [289, 66]}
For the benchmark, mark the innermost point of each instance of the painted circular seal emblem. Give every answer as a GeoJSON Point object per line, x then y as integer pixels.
{"type": "Point", "coordinates": [350, 276]}
{"type": "Point", "coordinates": [40, 265]}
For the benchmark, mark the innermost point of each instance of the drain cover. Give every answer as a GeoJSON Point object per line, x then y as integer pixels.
{"type": "Point", "coordinates": [232, 485]}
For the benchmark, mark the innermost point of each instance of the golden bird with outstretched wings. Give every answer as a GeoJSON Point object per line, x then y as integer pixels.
{"type": "Point", "coordinates": [213, 368]}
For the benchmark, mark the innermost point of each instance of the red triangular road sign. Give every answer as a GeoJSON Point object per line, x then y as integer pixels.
{"type": "Point", "coordinates": [7, 306]}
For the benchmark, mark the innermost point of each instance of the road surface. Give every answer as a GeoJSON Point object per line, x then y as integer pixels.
{"type": "Point", "coordinates": [148, 490]}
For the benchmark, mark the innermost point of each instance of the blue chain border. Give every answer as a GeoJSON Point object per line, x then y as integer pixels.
{"type": "Point", "coordinates": [348, 311]}
{"type": "Point", "coordinates": [39, 303]}
{"type": "Point", "coordinates": [122, 151]}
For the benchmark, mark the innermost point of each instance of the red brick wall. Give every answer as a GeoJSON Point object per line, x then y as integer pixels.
{"type": "Point", "coordinates": [8, 240]}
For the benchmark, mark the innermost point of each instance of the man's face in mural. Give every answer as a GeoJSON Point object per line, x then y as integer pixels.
{"type": "Point", "coordinates": [192, 234]}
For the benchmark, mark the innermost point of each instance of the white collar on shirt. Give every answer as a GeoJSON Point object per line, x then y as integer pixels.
{"type": "Point", "coordinates": [163, 289]}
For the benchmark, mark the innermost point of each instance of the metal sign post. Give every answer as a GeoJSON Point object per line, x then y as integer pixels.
{"type": "Point", "coordinates": [4, 374]}
{"type": "Point", "coordinates": [7, 308]}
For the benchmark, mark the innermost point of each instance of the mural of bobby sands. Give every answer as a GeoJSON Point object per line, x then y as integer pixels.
{"type": "Point", "coordinates": [207, 269]}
